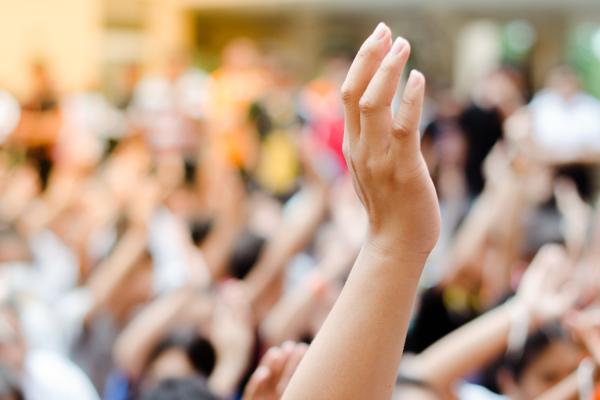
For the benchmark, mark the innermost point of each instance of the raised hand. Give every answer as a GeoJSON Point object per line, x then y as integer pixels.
{"type": "Point", "coordinates": [547, 289]}
{"type": "Point", "coordinates": [273, 374]}
{"type": "Point", "coordinates": [382, 149]}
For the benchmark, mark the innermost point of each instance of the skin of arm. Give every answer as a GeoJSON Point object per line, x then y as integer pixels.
{"type": "Point", "coordinates": [566, 390]}
{"type": "Point", "coordinates": [290, 317]}
{"type": "Point", "coordinates": [136, 341]}
{"type": "Point", "coordinates": [227, 194]}
{"type": "Point", "coordinates": [541, 295]}
{"type": "Point", "coordinates": [356, 353]}
{"type": "Point", "coordinates": [106, 279]}
{"type": "Point", "coordinates": [294, 234]}
{"type": "Point", "coordinates": [453, 357]}
{"type": "Point", "coordinates": [232, 335]}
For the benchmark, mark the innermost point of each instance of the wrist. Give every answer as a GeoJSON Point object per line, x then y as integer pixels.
{"type": "Point", "coordinates": [394, 247]}
{"type": "Point", "coordinates": [535, 320]}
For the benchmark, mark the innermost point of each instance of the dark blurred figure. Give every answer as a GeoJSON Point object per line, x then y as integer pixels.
{"type": "Point", "coordinates": [444, 147]}
{"type": "Point", "coordinates": [496, 98]}
{"type": "Point", "coordinates": [44, 95]}
{"type": "Point", "coordinates": [40, 124]}
{"type": "Point", "coordinates": [129, 79]}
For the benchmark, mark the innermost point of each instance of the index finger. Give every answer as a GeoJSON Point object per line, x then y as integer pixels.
{"type": "Point", "coordinates": [361, 72]}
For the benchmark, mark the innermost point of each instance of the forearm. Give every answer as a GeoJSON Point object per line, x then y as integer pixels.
{"type": "Point", "coordinates": [294, 234]}
{"type": "Point", "coordinates": [109, 275]}
{"type": "Point", "coordinates": [356, 353]}
{"type": "Point", "coordinates": [468, 348]}
{"type": "Point", "coordinates": [567, 389]}
{"type": "Point", "coordinates": [135, 343]}
{"type": "Point", "coordinates": [290, 316]}
{"type": "Point", "coordinates": [465, 349]}
{"type": "Point", "coordinates": [226, 377]}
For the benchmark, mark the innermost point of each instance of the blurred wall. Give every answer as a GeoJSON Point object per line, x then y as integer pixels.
{"type": "Point", "coordinates": [64, 33]}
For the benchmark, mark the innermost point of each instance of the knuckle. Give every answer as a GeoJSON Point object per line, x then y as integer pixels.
{"type": "Point", "coordinates": [367, 106]}
{"type": "Point", "coordinates": [347, 94]}
{"type": "Point", "coordinates": [366, 51]}
{"type": "Point", "coordinates": [387, 68]}
{"type": "Point", "coordinates": [408, 102]}
{"type": "Point", "coordinates": [400, 129]}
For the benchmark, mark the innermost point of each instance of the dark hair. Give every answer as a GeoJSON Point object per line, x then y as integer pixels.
{"type": "Point", "coordinates": [535, 345]}
{"type": "Point", "coordinates": [199, 229]}
{"type": "Point", "coordinates": [179, 389]}
{"type": "Point", "coordinates": [190, 169]}
{"type": "Point", "coordinates": [517, 364]}
{"type": "Point", "coordinates": [200, 351]}
{"type": "Point", "coordinates": [245, 254]}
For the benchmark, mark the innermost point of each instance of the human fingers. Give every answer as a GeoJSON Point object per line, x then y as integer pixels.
{"type": "Point", "coordinates": [361, 72]}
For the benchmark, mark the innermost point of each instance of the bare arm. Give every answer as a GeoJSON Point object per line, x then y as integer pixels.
{"type": "Point", "coordinates": [566, 390]}
{"type": "Point", "coordinates": [290, 317]}
{"type": "Point", "coordinates": [294, 234]}
{"type": "Point", "coordinates": [135, 343]}
{"type": "Point", "coordinates": [541, 295]}
{"type": "Point", "coordinates": [356, 353]}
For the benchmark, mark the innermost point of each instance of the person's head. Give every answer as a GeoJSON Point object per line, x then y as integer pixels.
{"type": "Point", "coordinates": [504, 89]}
{"type": "Point", "coordinates": [181, 354]}
{"type": "Point", "coordinates": [40, 75]}
{"type": "Point", "coordinates": [179, 389]}
{"type": "Point", "coordinates": [241, 54]}
{"type": "Point", "coordinates": [547, 358]}
{"type": "Point", "coordinates": [245, 254]}
{"type": "Point", "coordinates": [200, 228]}
{"type": "Point", "coordinates": [178, 62]}
{"type": "Point", "coordinates": [564, 81]}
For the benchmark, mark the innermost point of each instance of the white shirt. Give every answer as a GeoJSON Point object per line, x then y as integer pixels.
{"type": "Point", "coordinates": [165, 109]}
{"type": "Point", "coordinates": [10, 114]}
{"type": "Point", "coordinates": [48, 376]}
{"type": "Point", "coordinates": [566, 125]}
{"type": "Point", "coordinates": [469, 391]}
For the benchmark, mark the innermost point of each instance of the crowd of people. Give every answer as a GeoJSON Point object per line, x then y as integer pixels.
{"type": "Point", "coordinates": [243, 234]}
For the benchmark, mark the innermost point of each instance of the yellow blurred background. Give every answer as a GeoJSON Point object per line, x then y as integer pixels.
{"type": "Point", "coordinates": [86, 43]}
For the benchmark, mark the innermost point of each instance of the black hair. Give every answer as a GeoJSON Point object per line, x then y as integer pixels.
{"type": "Point", "coordinates": [535, 345]}
{"type": "Point", "coordinates": [200, 351]}
{"type": "Point", "coordinates": [245, 254]}
{"type": "Point", "coordinates": [199, 229]}
{"type": "Point", "coordinates": [190, 168]}
{"type": "Point", "coordinates": [517, 364]}
{"type": "Point", "coordinates": [179, 389]}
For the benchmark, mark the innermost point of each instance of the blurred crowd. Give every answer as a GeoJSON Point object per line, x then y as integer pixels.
{"type": "Point", "coordinates": [157, 245]}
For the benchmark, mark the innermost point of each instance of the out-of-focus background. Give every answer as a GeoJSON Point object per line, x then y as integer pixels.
{"type": "Point", "coordinates": [174, 199]}
{"type": "Point", "coordinates": [87, 43]}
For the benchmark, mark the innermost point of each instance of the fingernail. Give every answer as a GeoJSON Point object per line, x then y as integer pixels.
{"type": "Point", "coordinates": [379, 31]}
{"type": "Point", "coordinates": [398, 45]}
{"type": "Point", "coordinates": [414, 79]}
{"type": "Point", "coordinates": [262, 372]}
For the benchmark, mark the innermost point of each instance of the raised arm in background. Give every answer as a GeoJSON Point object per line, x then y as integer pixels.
{"type": "Point", "coordinates": [542, 295]}
{"type": "Point", "coordinates": [356, 353]}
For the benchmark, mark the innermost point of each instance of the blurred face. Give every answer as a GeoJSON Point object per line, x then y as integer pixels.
{"type": "Point", "coordinates": [565, 82]}
{"type": "Point", "coordinates": [553, 365]}
{"type": "Point", "coordinates": [173, 363]}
